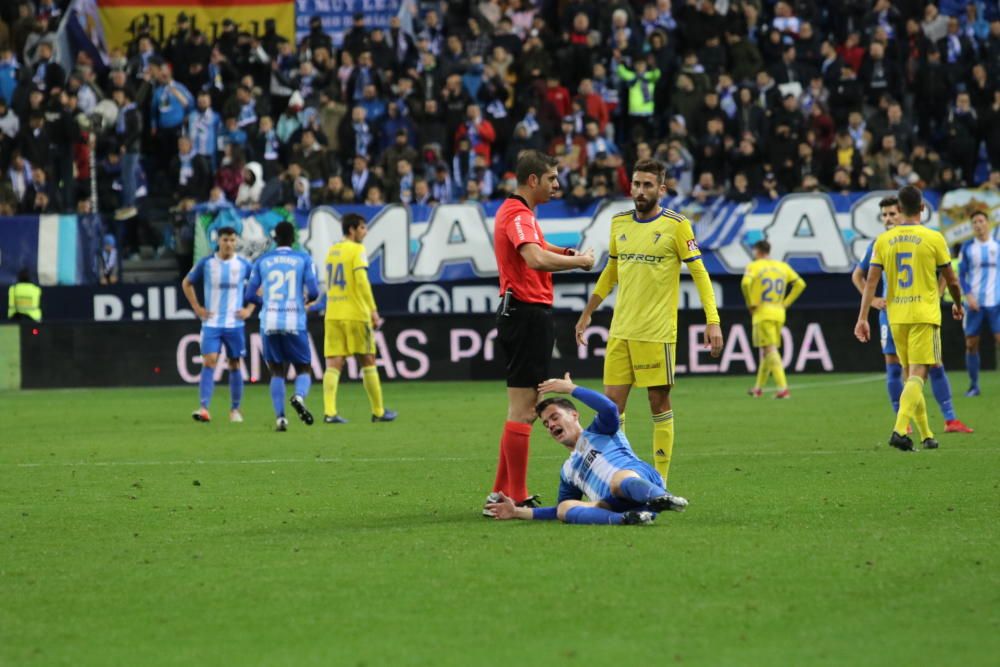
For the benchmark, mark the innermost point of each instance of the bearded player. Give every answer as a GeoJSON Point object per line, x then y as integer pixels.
{"type": "Point", "coordinates": [647, 248]}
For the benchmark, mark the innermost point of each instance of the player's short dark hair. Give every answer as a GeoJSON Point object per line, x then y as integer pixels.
{"type": "Point", "coordinates": [533, 163]}
{"type": "Point", "coordinates": [351, 221]}
{"type": "Point", "coordinates": [886, 202]}
{"type": "Point", "coordinates": [284, 233]}
{"type": "Point", "coordinates": [910, 198]}
{"type": "Point", "coordinates": [24, 276]}
{"type": "Point", "coordinates": [652, 167]}
{"type": "Point", "coordinates": [226, 231]}
{"type": "Point", "coordinates": [762, 246]}
{"type": "Point", "coordinates": [980, 212]}
{"type": "Point", "coordinates": [557, 401]}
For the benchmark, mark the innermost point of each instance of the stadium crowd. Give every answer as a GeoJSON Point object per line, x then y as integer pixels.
{"type": "Point", "coordinates": [739, 98]}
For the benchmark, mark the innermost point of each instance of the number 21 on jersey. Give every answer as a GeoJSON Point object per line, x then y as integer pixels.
{"type": "Point", "coordinates": [281, 285]}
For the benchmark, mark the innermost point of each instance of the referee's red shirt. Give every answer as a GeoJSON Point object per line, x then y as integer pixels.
{"type": "Point", "coordinates": [514, 225]}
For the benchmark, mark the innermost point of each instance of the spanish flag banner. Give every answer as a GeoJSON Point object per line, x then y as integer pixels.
{"type": "Point", "coordinates": [123, 18]}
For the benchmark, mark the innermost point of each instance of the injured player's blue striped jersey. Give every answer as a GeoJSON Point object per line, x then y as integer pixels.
{"type": "Point", "coordinates": [601, 451]}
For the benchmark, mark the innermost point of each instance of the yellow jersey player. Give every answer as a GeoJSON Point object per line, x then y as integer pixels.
{"type": "Point", "coordinates": [647, 247]}
{"type": "Point", "coordinates": [911, 255]}
{"type": "Point", "coordinates": [351, 320]}
{"type": "Point", "coordinates": [770, 286]}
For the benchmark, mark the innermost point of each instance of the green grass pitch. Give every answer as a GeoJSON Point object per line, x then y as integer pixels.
{"type": "Point", "coordinates": [131, 534]}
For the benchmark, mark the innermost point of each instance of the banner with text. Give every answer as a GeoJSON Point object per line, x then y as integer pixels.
{"type": "Point", "coordinates": [456, 347]}
{"type": "Point", "coordinates": [123, 18]}
{"type": "Point", "coordinates": [815, 233]}
{"type": "Point", "coordinates": [138, 302]}
{"type": "Point", "coordinates": [336, 15]}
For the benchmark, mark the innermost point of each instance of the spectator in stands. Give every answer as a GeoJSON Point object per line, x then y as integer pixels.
{"type": "Point", "coordinates": [9, 74]}
{"type": "Point", "coordinates": [46, 74]}
{"type": "Point", "coordinates": [42, 196]}
{"type": "Point", "coordinates": [171, 102]}
{"type": "Point", "coordinates": [963, 137]}
{"type": "Point", "coordinates": [9, 127]}
{"type": "Point", "coordinates": [248, 196]}
{"type": "Point", "coordinates": [303, 199]}
{"type": "Point", "coordinates": [780, 87]}
{"type": "Point", "coordinates": [108, 265]}
{"type": "Point", "coordinates": [362, 178]}
{"type": "Point", "coordinates": [311, 155]}
{"type": "Point", "coordinates": [189, 173]}
{"type": "Point", "coordinates": [374, 197]}
{"type": "Point", "coordinates": [229, 177]}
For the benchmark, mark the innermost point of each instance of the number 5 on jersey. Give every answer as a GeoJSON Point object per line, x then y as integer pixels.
{"type": "Point", "coordinates": [904, 269]}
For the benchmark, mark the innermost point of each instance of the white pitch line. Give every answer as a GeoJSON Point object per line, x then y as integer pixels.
{"type": "Point", "coordinates": [414, 459]}
{"type": "Point", "coordinates": [834, 383]}
{"type": "Point", "coordinates": [458, 459]}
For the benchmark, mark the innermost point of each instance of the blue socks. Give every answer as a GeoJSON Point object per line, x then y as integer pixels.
{"type": "Point", "coordinates": [639, 490]}
{"type": "Point", "coordinates": [942, 391]}
{"type": "Point", "coordinates": [593, 515]}
{"type": "Point", "coordinates": [206, 383]}
{"type": "Point", "coordinates": [236, 387]}
{"type": "Point", "coordinates": [894, 384]}
{"type": "Point", "coordinates": [302, 383]}
{"type": "Point", "coordinates": [972, 363]}
{"type": "Point", "coordinates": [278, 395]}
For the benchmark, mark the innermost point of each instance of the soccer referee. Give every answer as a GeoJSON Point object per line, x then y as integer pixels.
{"type": "Point", "coordinates": [524, 319]}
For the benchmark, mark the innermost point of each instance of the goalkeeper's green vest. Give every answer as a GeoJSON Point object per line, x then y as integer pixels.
{"type": "Point", "coordinates": [25, 299]}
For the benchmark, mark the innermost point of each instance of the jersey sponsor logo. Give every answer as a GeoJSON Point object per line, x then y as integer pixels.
{"type": "Point", "coordinates": [641, 258]}
{"type": "Point", "coordinates": [592, 455]}
{"type": "Point", "coordinates": [692, 245]}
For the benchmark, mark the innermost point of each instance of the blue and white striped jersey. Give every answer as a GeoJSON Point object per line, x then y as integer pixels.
{"type": "Point", "coordinates": [978, 272]}
{"type": "Point", "coordinates": [287, 280]}
{"type": "Point", "coordinates": [222, 284]}
{"type": "Point", "coordinates": [601, 451]}
{"type": "Point", "coordinates": [866, 263]}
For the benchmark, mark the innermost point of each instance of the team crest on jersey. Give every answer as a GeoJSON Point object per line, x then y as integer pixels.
{"type": "Point", "coordinates": [692, 245]}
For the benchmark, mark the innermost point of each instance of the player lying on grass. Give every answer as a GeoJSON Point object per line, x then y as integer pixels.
{"type": "Point", "coordinates": [622, 488]}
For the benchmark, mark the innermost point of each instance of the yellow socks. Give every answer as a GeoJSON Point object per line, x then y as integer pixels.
{"type": "Point", "coordinates": [920, 414]}
{"type": "Point", "coordinates": [763, 371]}
{"type": "Point", "coordinates": [331, 378]}
{"type": "Point", "coordinates": [912, 406]}
{"type": "Point", "coordinates": [777, 369]}
{"type": "Point", "coordinates": [373, 387]}
{"type": "Point", "coordinates": [663, 442]}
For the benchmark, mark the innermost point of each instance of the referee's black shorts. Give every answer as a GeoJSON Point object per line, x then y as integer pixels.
{"type": "Point", "coordinates": [526, 335]}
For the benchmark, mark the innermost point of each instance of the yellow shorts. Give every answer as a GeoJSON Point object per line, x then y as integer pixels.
{"type": "Point", "coordinates": [917, 343]}
{"type": "Point", "coordinates": [638, 362]}
{"type": "Point", "coordinates": [344, 338]}
{"type": "Point", "coordinates": [766, 332]}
